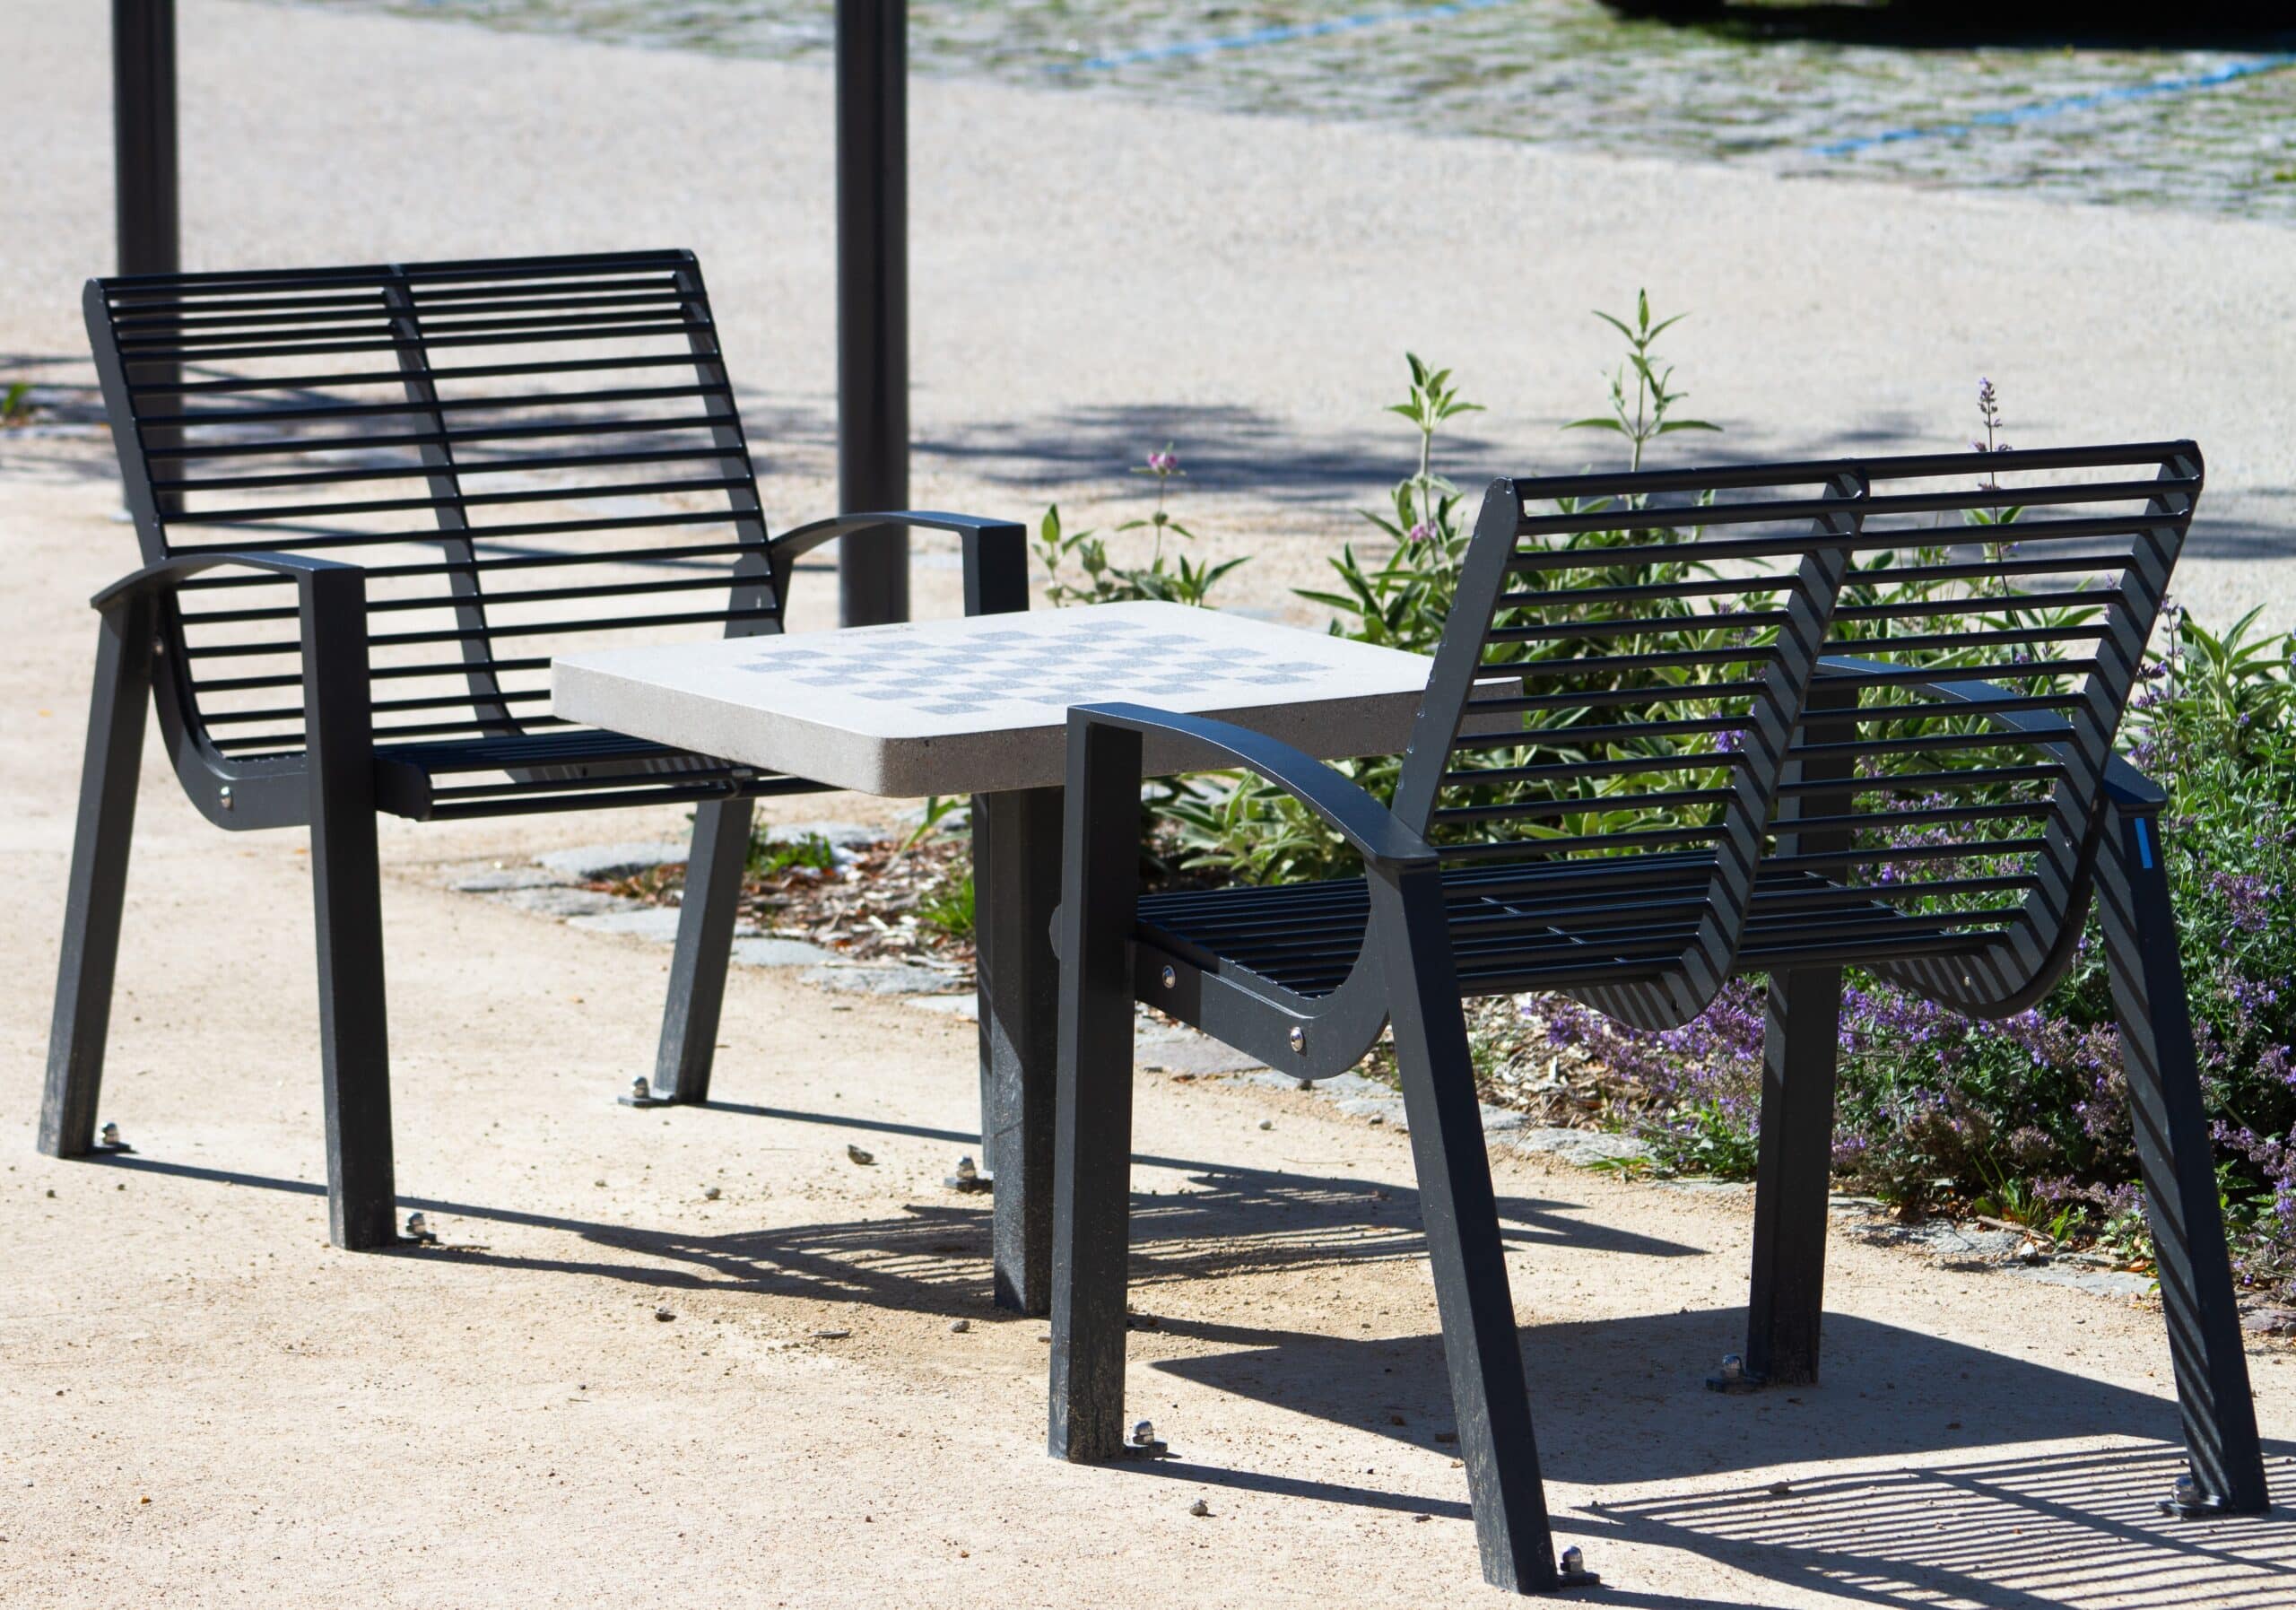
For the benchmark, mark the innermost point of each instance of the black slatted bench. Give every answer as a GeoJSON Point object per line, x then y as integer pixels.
{"type": "Point", "coordinates": [1742, 746]}
{"type": "Point", "coordinates": [372, 503]}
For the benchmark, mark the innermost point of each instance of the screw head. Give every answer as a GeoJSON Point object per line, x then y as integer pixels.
{"type": "Point", "coordinates": [111, 1135]}
{"type": "Point", "coordinates": [1574, 1564]}
{"type": "Point", "coordinates": [1171, 978]}
{"type": "Point", "coordinates": [966, 1168]}
{"type": "Point", "coordinates": [1734, 1368]}
{"type": "Point", "coordinates": [418, 1228]}
{"type": "Point", "coordinates": [1299, 1039]}
{"type": "Point", "coordinates": [1143, 1433]}
{"type": "Point", "coordinates": [642, 1087]}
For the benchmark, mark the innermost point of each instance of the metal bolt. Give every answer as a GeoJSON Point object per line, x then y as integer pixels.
{"type": "Point", "coordinates": [1734, 1368]}
{"type": "Point", "coordinates": [966, 1168]}
{"type": "Point", "coordinates": [1171, 978]}
{"type": "Point", "coordinates": [418, 1228]}
{"type": "Point", "coordinates": [1299, 1039]}
{"type": "Point", "coordinates": [1143, 1433]}
{"type": "Point", "coordinates": [641, 1088]}
{"type": "Point", "coordinates": [224, 795]}
{"type": "Point", "coordinates": [1574, 1564]}
{"type": "Point", "coordinates": [111, 1135]}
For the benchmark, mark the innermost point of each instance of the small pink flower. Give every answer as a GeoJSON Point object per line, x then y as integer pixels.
{"type": "Point", "coordinates": [1163, 463]}
{"type": "Point", "coordinates": [1421, 533]}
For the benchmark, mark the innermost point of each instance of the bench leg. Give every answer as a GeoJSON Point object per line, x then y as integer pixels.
{"type": "Point", "coordinates": [2173, 1146]}
{"type": "Point", "coordinates": [346, 897]}
{"type": "Point", "coordinates": [713, 866]}
{"type": "Point", "coordinates": [1460, 1214]}
{"type": "Point", "coordinates": [1092, 1157]}
{"type": "Point", "coordinates": [99, 886]}
{"type": "Point", "coordinates": [1016, 881]}
{"type": "Point", "coordinates": [1794, 1175]}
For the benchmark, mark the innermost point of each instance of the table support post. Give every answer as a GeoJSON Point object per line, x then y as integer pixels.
{"type": "Point", "coordinates": [1016, 886]}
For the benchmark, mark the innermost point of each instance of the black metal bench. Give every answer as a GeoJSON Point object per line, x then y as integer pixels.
{"type": "Point", "coordinates": [371, 502]}
{"type": "Point", "coordinates": [1686, 789]}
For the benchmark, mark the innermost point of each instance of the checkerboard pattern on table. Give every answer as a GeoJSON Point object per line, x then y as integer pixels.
{"type": "Point", "coordinates": [1057, 663]}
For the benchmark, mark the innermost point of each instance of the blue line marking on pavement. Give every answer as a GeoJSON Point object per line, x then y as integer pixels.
{"type": "Point", "coordinates": [2065, 103]}
{"type": "Point", "coordinates": [1277, 35]}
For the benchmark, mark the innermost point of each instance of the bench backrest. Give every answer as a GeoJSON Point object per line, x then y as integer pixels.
{"type": "Point", "coordinates": [1665, 627]}
{"type": "Point", "coordinates": [523, 453]}
{"type": "Point", "coordinates": [1952, 766]}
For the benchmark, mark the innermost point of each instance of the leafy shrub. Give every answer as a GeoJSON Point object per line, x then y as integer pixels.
{"type": "Point", "coordinates": [770, 856]}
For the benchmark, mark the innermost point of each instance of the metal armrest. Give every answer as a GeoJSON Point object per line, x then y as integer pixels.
{"type": "Point", "coordinates": [168, 574]}
{"type": "Point", "coordinates": [1369, 826]}
{"type": "Point", "coordinates": [996, 553]}
{"type": "Point", "coordinates": [336, 771]}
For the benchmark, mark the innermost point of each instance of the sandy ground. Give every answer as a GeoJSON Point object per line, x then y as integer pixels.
{"type": "Point", "coordinates": [203, 1403]}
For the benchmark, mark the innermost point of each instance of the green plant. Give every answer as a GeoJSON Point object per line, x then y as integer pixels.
{"type": "Point", "coordinates": [1705, 1137]}
{"type": "Point", "coordinates": [16, 407]}
{"type": "Point", "coordinates": [948, 906]}
{"type": "Point", "coordinates": [1105, 581]}
{"type": "Point", "coordinates": [938, 809]}
{"type": "Point", "coordinates": [1647, 420]}
{"type": "Point", "coordinates": [1403, 602]}
{"type": "Point", "coordinates": [771, 856]}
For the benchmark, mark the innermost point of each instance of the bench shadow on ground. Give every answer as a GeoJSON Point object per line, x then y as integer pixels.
{"type": "Point", "coordinates": [1947, 1516]}
{"type": "Point", "coordinates": [933, 1257]}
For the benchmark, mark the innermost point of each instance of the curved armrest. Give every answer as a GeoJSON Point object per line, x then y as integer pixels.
{"type": "Point", "coordinates": [996, 553]}
{"type": "Point", "coordinates": [334, 773]}
{"type": "Point", "coordinates": [168, 574]}
{"type": "Point", "coordinates": [1362, 821]}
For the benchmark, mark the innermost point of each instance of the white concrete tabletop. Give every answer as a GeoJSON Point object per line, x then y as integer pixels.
{"type": "Point", "coordinates": [979, 704]}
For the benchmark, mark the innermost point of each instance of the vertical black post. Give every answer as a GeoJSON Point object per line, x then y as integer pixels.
{"type": "Point", "coordinates": [144, 134]}
{"type": "Point", "coordinates": [144, 168]}
{"type": "Point", "coordinates": [873, 303]}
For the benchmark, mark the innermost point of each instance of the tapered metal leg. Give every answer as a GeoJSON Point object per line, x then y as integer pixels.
{"type": "Point", "coordinates": [1016, 883]}
{"type": "Point", "coordinates": [1784, 1311]}
{"type": "Point", "coordinates": [1461, 1218]}
{"type": "Point", "coordinates": [1092, 1162]}
{"type": "Point", "coordinates": [2173, 1146]}
{"type": "Point", "coordinates": [99, 886]}
{"type": "Point", "coordinates": [346, 890]}
{"type": "Point", "coordinates": [713, 897]}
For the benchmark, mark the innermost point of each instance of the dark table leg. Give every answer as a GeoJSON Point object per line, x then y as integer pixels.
{"type": "Point", "coordinates": [1017, 885]}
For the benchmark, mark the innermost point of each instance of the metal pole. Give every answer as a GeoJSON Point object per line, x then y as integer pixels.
{"type": "Point", "coordinates": [144, 134]}
{"type": "Point", "coordinates": [873, 303]}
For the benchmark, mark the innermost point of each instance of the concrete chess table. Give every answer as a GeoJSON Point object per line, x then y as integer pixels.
{"type": "Point", "coordinates": [980, 706]}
